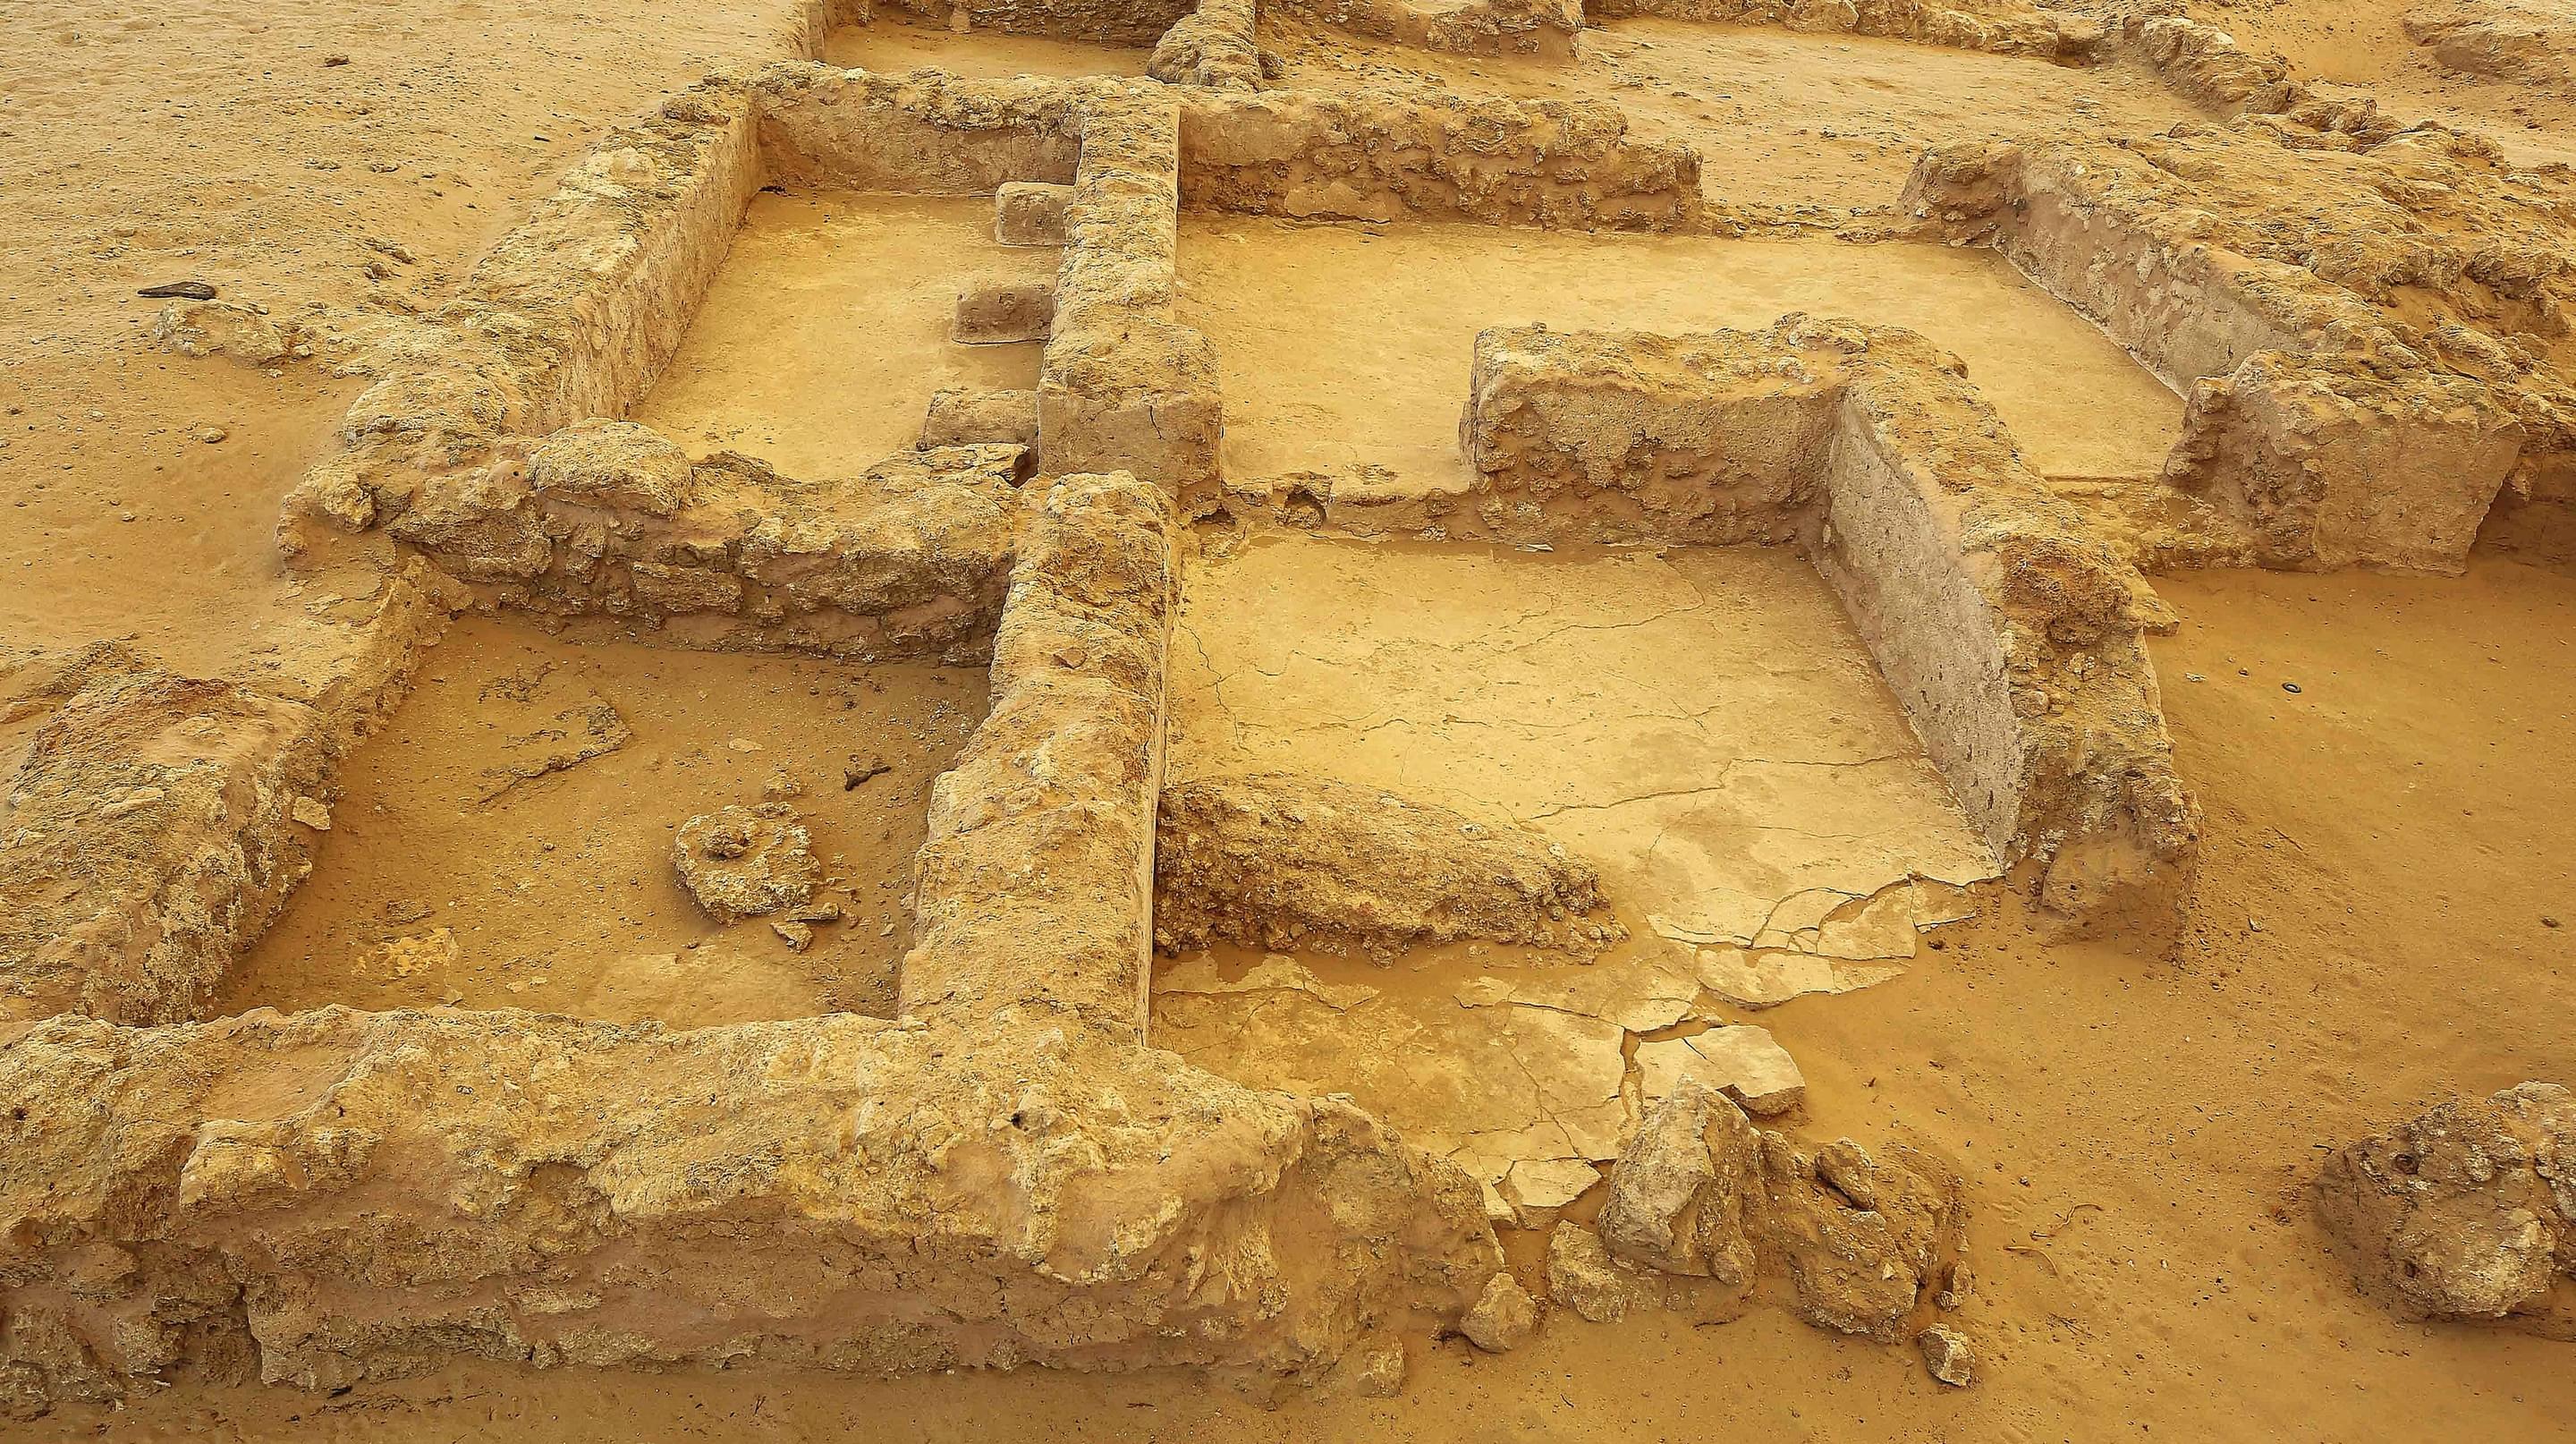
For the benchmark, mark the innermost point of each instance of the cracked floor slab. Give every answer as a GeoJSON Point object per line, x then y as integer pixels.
{"type": "Point", "coordinates": [1488, 1086]}
{"type": "Point", "coordinates": [1702, 725]}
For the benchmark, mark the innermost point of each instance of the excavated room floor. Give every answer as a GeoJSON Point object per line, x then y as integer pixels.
{"type": "Point", "coordinates": [1347, 347]}
{"type": "Point", "coordinates": [506, 841]}
{"type": "Point", "coordinates": [827, 330]}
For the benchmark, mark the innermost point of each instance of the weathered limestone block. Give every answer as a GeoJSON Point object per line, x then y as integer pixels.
{"type": "Point", "coordinates": [959, 417]}
{"type": "Point", "coordinates": [1211, 46]}
{"type": "Point", "coordinates": [2333, 466]}
{"type": "Point", "coordinates": [1861, 1244]}
{"type": "Point", "coordinates": [2465, 1212]}
{"type": "Point", "coordinates": [1503, 1317]}
{"type": "Point", "coordinates": [1622, 436]}
{"type": "Point", "coordinates": [740, 862]}
{"type": "Point", "coordinates": [157, 823]}
{"type": "Point", "coordinates": [1035, 886]}
{"type": "Point", "coordinates": [1279, 861]}
{"type": "Point", "coordinates": [611, 520]}
{"type": "Point", "coordinates": [999, 313]}
{"type": "Point", "coordinates": [1030, 213]}
{"type": "Point", "coordinates": [1948, 1356]}
{"type": "Point", "coordinates": [334, 1197]}
{"type": "Point", "coordinates": [2533, 40]}
{"type": "Point", "coordinates": [1582, 1276]}
{"type": "Point", "coordinates": [1313, 154]}
{"type": "Point", "coordinates": [614, 466]}
{"type": "Point", "coordinates": [222, 328]}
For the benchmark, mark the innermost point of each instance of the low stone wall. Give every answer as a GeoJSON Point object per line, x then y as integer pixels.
{"type": "Point", "coordinates": [609, 519]}
{"type": "Point", "coordinates": [1106, 22]}
{"type": "Point", "coordinates": [1478, 27]}
{"type": "Point", "coordinates": [157, 822]}
{"type": "Point", "coordinates": [824, 128]}
{"type": "Point", "coordinates": [2002, 29]}
{"type": "Point", "coordinates": [331, 1197]}
{"type": "Point", "coordinates": [1316, 155]}
{"type": "Point", "coordinates": [1124, 386]}
{"type": "Point", "coordinates": [1212, 46]}
{"type": "Point", "coordinates": [2007, 631]}
{"type": "Point", "coordinates": [1035, 888]}
{"type": "Point", "coordinates": [2361, 386]}
{"type": "Point", "coordinates": [1285, 862]}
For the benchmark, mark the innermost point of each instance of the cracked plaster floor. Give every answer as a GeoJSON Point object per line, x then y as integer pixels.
{"type": "Point", "coordinates": [1702, 726]}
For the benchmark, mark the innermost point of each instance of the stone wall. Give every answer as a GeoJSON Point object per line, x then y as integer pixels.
{"type": "Point", "coordinates": [2362, 384]}
{"type": "Point", "coordinates": [2009, 633]}
{"type": "Point", "coordinates": [1124, 386]}
{"type": "Point", "coordinates": [1035, 889]}
{"type": "Point", "coordinates": [2003, 29]}
{"type": "Point", "coordinates": [610, 520]}
{"type": "Point", "coordinates": [1495, 161]}
{"type": "Point", "coordinates": [1476, 27]}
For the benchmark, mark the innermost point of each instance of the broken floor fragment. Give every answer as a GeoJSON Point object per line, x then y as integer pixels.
{"type": "Point", "coordinates": [1525, 1082]}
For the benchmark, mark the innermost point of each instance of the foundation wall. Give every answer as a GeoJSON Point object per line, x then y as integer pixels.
{"type": "Point", "coordinates": [1125, 387]}
{"type": "Point", "coordinates": [2012, 635]}
{"type": "Point", "coordinates": [575, 312]}
{"type": "Point", "coordinates": [1106, 22]}
{"type": "Point", "coordinates": [2009, 634]}
{"type": "Point", "coordinates": [1211, 46]}
{"type": "Point", "coordinates": [157, 823]}
{"type": "Point", "coordinates": [2333, 432]}
{"type": "Point", "coordinates": [823, 128]}
{"type": "Point", "coordinates": [1312, 155]}
{"type": "Point", "coordinates": [1036, 886]}
{"type": "Point", "coordinates": [325, 1198]}
{"type": "Point", "coordinates": [2007, 29]}
{"type": "Point", "coordinates": [1487, 27]}
{"type": "Point", "coordinates": [1614, 437]}
{"type": "Point", "coordinates": [608, 520]}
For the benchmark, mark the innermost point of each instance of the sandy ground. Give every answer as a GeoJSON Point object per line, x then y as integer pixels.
{"type": "Point", "coordinates": [897, 42]}
{"type": "Point", "coordinates": [826, 331]}
{"type": "Point", "coordinates": [1349, 346]}
{"type": "Point", "coordinates": [506, 842]}
{"type": "Point", "coordinates": [2382, 845]}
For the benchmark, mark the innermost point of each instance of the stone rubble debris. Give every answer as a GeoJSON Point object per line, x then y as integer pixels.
{"type": "Point", "coordinates": [741, 862]}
